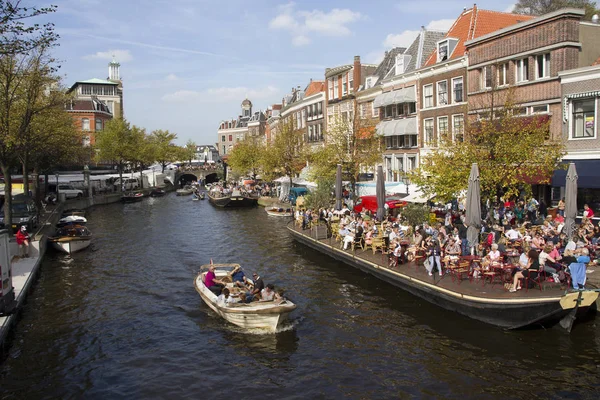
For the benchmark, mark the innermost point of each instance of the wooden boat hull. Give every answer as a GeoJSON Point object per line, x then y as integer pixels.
{"type": "Point", "coordinates": [509, 312]}
{"type": "Point", "coordinates": [256, 315]}
{"type": "Point", "coordinates": [157, 193]}
{"type": "Point", "coordinates": [183, 192]}
{"type": "Point", "coordinates": [233, 201]}
{"type": "Point", "coordinates": [71, 245]}
{"type": "Point", "coordinates": [132, 198]}
{"type": "Point", "coordinates": [274, 211]}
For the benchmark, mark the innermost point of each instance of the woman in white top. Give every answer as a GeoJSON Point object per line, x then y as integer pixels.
{"type": "Point", "coordinates": [544, 256]}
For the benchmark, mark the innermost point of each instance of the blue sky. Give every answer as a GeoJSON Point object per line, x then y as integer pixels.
{"type": "Point", "coordinates": [188, 64]}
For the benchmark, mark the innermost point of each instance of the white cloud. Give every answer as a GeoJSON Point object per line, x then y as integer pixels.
{"type": "Point", "coordinates": [301, 24]}
{"type": "Point", "coordinates": [119, 55]}
{"type": "Point", "coordinates": [440, 24]}
{"type": "Point", "coordinates": [221, 94]}
{"type": "Point", "coordinates": [403, 39]}
{"type": "Point", "coordinates": [510, 8]}
{"type": "Point", "coordinates": [172, 77]}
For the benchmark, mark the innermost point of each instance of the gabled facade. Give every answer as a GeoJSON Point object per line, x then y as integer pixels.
{"type": "Point", "coordinates": [305, 110]}
{"type": "Point", "coordinates": [207, 154]}
{"type": "Point", "coordinates": [247, 124]}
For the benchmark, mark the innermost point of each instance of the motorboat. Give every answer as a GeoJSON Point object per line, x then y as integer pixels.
{"type": "Point", "coordinates": [201, 196]}
{"type": "Point", "coordinates": [185, 191]}
{"type": "Point", "coordinates": [268, 315]}
{"type": "Point", "coordinates": [71, 220]}
{"type": "Point", "coordinates": [279, 211]}
{"type": "Point", "coordinates": [158, 192]}
{"type": "Point", "coordinates": [73, 211]}
{"type": "Point", "coordinates": [132, 197]}
{"type": "Point", "coordinates": [233, 198]}
{"type": "Point", "coordinates": [71, 238]}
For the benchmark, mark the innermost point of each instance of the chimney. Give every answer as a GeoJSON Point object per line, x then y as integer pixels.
{"type": "Point", "coordinates": [357, 74]}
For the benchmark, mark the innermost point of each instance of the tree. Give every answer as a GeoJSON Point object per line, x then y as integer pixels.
{"type": "Point", "coordinates": [540, 7]}
{"type": "Point", "coordinates": [320, 197]}
{"type": "Point", "coordinates": [18, 38]}
{"type": "Point", "coordinates": [116, 144]}
{"type": "Point", "coordinates": [353, 143]}
{"type": "Point", "coordinates": [143, 150]}
{"type": "Point", "coordinates": [247, 157]}
{"type": "Point", "coordinates": [509, 149]}
{"type": "Point", "coordinates": [189, 151]}
{"type": "Point", "coordinates": [286, 155]}
{"type": "Point", "coordinates": [166, 150]}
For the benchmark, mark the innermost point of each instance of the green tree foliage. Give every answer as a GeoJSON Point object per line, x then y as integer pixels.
{"type": "Point", "coordinates": [189, 151]}
{"type": "Point", "coordinates": [286, 155]}
{"type": "Point", "coordinates": [415, 214]}
{"type": "Point", "coordinates": [508, 149]}
{"type": "Point", "coordinates": [246, 157]}
{"type": "Point", "coordinates": [143, 150]}
{"type": "Point", "coordinates": [540, 7]}
{"type": "Point", "coordinates": [116, 144]}
{"type": "Point", "coordinates": [16, 37]}
{"type": "Point", "coordinates": [352, 143]}
{"type": "Point", "coordinates": [321, 197]}
{"type": "Point", "coordinates": [166, 150]}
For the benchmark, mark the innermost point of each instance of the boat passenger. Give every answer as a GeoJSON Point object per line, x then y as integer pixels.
{"type": "Point", "coordinates": [213, 284]}
{"type": "Point", "coordinates": [224, 299]}
{"type": "Point", "coordinates": [279, 298]}
{"type": "Point", "coordinates": [23, 242]}
{"type": "Point", "coordinates": [238, 277]}
{"type": "Point", "coordinates": [268, 293]}
{"type": "Point", "coordinates": [257, 287]}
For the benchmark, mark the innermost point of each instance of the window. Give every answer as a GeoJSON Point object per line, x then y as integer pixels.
{"type": "Point", "coordinates": [411, 108]}
{"type": "Point", "coordinates": [110, 105]}
{"type": "Point", "coordinates": [539, 109]}
{"type": "Point", "coordinates": [330, 84]}
{"type": "Point", "coordinates": [486, 77]}
{"type": "Point", "coordinates": [457, 89]}
{"type": "Point", "coordinates": [320, 108]}
{"type": "Point", "coordinates": [458, 127]}
{"type": "Point", "coordinates": [442, 51]}
{"type": "Point", "coordinates": [584, 121]}
{"type": "Point", "coordinates": [390, 111]}
{"type": "Point", "coordinates": [522, 67]}
{"type": "Point", "coordinates": [428, 130]}
{"type": "Point", "coordinates": [427, 96]}
{"type": "Point", "coordinates": [442, 127]}
{"type": "Point", "coordinates": [350, 80]}
{"type": "Point", "coordinates": [336, 82]}
{"type": "Point", "coordinates": [411, 163]}
{"type": "Point", "coordinates": [362, 110]}
{"type": "Point", "coordinates": [98, 124]}
{"type": "Point", "coordinates": [442, 93]}
{"type": "Point", "coordinates": [303, 121]}
{"type": "Point", "coordinates": [542, 65]}
{"type": "Point", "coordinates": [374, 110]}
{"type": "Point", "coordinates": [231, 138]}
{"type": "Point", "coordinates": [503, 74]}
{"type": "Point", "coordinates": [344, 84]}
{"type": "Point", "coordinates": [85, 124]}
{"type": "Point", "coordinates": [368, 83]}
{"type": "Point", "coordinates": [223, 149]}
{"type": "Point", "coordinates": [222, 138]}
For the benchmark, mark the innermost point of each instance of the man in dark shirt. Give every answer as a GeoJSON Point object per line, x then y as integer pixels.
{"type": "Point", "coordinates": [259, 285]}
{"type": "Point", "coordinates": [462, 234]}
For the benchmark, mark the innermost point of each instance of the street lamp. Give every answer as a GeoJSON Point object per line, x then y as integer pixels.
{"type": "Point", "coordinates": [406, 181]}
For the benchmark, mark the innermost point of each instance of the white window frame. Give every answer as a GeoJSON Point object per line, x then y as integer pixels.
{"type": "Point", "coordinates": [545, 66]}
{"type": "Point", "coordinates": [374, 110]}
{"type": "Point", "coordinates": [454, 118]}
{"type": "Point", "coordinates": [441, 44]}
{"type": "Point", "coordinates": [519, 75]}
{"type": "Point", "coordinates": [462, 81]}
{"type": "Point", "coordinates": [344, 84]}
{"type": "Point", "coordinates": [439, 131]}
{"type": "Point", "coordinates": [502, 72]}
{"type": "Point", "coordinates": [485, 78]}
{"type": "Point", "coordinates": [84, 122]}
{"type": "Point", "coordinates": [336, 87]}
{"type": "Point", "coordinates": [426, 140]}
{"type": "Point", "coordinates": [351, 81]}
{"type": "Point", "coordinates": [330, 87]}
{"type": "Point", "coordinates": [437, 87]}
{"type": "Point", "coordinates": [429, 86]}
{"type": "Point", "coordinates": [571, 121]}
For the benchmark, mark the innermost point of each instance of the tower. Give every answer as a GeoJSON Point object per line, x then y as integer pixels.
{"type": "Point", "coordinates": [113, 70]}
{"type": "Point", "coordinates": [114, 75]}
{"type": "Point", "coordinates": [246, 108]}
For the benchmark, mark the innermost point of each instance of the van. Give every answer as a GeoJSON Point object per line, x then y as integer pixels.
{"type": "Point", "coordinates": [370, 203]}
{"type": "Point", "coordinates": [24, 213]}
{"type": "Point", "coordinates": [69, 191]}
{"type": "Point", "coordinates": [128, 184]}
{"type": "Point", "coordinates": [296, 192]}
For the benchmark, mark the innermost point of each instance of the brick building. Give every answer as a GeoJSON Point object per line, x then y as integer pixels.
{"type": "Point", "coordinates": [247, 124]}
{"type": "Point", "coordinates": [524, 61]}
{"type": "Point", "coordinates": [89, 116]}
{"type": "Point", "coordinates": [305, 110]}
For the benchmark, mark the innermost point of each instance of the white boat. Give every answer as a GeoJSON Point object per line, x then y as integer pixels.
{"type": "Point", "coordinates": [185, 191]}
{"type": "Point", "coordinates": [71, 220]}
{"type": "Point", "coordinates": [267, 315]}
{"type": "Point", "coordinates": [71, 239]}
{"type": "Point", "coordinates": [279, 211]}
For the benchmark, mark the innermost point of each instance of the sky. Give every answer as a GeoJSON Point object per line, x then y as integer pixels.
{"type": "Point", "coordinates": [186, 65]}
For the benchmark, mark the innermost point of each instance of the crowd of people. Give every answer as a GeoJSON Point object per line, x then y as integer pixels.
{"type": "Point", "coordinates": [522, 229]}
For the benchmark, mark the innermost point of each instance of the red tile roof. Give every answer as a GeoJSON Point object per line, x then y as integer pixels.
{"type": "Point", "coordinates": [314, 87]}
{"type": "Point", "coordinates": [473, 23]}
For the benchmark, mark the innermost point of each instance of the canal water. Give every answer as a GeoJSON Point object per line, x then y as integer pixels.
{"type": "Point", "coordinates": [122, 320]}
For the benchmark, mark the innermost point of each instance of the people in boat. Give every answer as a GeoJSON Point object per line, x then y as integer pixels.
{"type": "Point", "coordinates": [212, 283]}
{"type": "Point", "coordinates": [238, 277]}
{"type": "Point", "coordinates": [530, 271]}
{"type": "Point", "coordinates": [257, 286]}
{"type": "Point", "coordinates": [268, 293]}
{"type": "Point", "coordinates": [279, 296]}
{"type": "Point", "coordinates": [23, 242]}
{"type": "Point", "coordinates": [224, 299]}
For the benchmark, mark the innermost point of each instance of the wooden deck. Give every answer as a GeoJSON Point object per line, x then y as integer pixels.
{"type": "Point", "coordinates": [412, 270]}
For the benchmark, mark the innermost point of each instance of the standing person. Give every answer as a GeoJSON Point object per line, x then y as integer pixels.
{"type": "Point", "coordinates": [542, 210]}
{"type": "Point", "coordinates": [532, 206]}
{"type": "Point", "coordinates": [561, 207]}
{"type": "Point", "coordinates": [433, 253]}
{"type": "Point", "coordinates": [23, 242]}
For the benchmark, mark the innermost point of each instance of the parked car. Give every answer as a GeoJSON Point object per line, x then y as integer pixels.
{"type": "Point", "coordinates": [69, 191]}
{"type": "Point", "coordinates": [370, 203]}
{"type": "Point", "coordinates": [128, 184]}
{"type": "Point", "coordinates": [24, 213]}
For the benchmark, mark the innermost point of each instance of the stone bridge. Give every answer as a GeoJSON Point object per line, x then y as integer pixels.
{"type": "Point", "coordinates": [190, 174]}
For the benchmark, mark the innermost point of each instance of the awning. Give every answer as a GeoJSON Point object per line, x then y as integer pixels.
{"type": "Point", "coordinates": [588, 172]}
{"type": "Point", "coordinates": [406, 95]}
{"type": "Point", "coordinates": [398, 127]}
{"type": "Point", "coordinates": [415, 197]}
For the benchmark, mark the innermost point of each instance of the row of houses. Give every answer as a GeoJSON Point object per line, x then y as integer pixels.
{"type": "Point", "coordinates": [549, 64]}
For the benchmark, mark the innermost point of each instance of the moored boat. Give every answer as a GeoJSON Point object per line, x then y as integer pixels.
{"type": "Point", "coordinates": [268, 315]}
{"type": "Point", "coordinates": [236, 198]}
{"type": "Point", "coordinates": [185, 191]}
{"type": "Point", "coordinates": [132, 197]}
{"type": "Point", "coordinates": [493, 305]}
{"type": "Point", "coordinates": [158, 192]}
{"type": "Point", "coordinates": [73, 211]}
{"type": "Point", "coordinates": [71, 220]}
{"type": "Point", "coordinates": [72, 238]}
{"type": "Point", "coordinates": [279, 211]}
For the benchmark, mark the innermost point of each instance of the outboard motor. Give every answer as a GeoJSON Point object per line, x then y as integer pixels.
{"type": "Point", "coordinates": [7, 293]}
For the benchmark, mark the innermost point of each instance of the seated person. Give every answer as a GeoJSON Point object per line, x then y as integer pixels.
{"type": "Point", "coordinates": [225, 299]}
{"type": "Point", "coordinates": [279, 298]}
{"type": "Point", "coordinates": [369, 237]}
{"type": "Point", "coordinates": [453, 248]}
{"type": "Point", "coordinates": [238, 277]}
{"type": "Point", "coordinates": [23, 242]}
{"type": "Point", "coordinates": [268, 293]}
{"type": "Point", "coordinates": [530, 271]}
{"type": "Point", "coordinates": [243, 299]}
{"type": "Point", "coordinates": [513, 235]}
{"type": "Point", "coordinates": [212, 283]}
{"type": "Point", "coordinates": [492, 257]}
{"type": "Point", "coordinates": [257, 286]}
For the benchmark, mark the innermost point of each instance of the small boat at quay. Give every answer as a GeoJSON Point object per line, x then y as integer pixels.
{"type": "Point", "coordinates": [279, 211]}
{"type": "Point", "coordinates": [185, 191]}
{"type": "Point", "coordinates": [71, 238]}
{"type": "Point", "coordinates": [268, 315]}
{"type": "Point", "coordinates": [73, 211]}
{"type": "Point", "coordinates": [132, 197]}
{"type": "Point", "coordinates": [71, 220]}
{"type": "Point", "coordinates": [158, 192]}
{"type": "Point", "coordinates": [236, 198]}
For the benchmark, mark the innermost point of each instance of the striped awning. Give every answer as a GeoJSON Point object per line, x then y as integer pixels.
{"type": "Point", "coordinates": [398, 127]}
{"type": "Point", "coordinates": [406, 95]}
{"type": "Point", "coordinates": [568, 97]}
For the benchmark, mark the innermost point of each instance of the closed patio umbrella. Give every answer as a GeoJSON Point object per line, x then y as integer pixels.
{"type": "Point", "coordinates": [338, 188]}
{"type": "Point", "coordinates": [473, 207]}
{"type": "Point", "coordinates": [380, 191]}
{"type": "Point", "coordinates": [570, 200]}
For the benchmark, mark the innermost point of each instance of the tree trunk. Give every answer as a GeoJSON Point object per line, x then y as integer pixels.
{"type": "Point", "coordinates": [25, 177]}
{"type": "Point", "coordinates": [7, 197]}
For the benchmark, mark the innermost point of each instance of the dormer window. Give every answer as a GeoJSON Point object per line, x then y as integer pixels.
{"type": "Point", "coordinates": [445, 49]}
{"type": "Point", "coordinates": [402, 61]}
